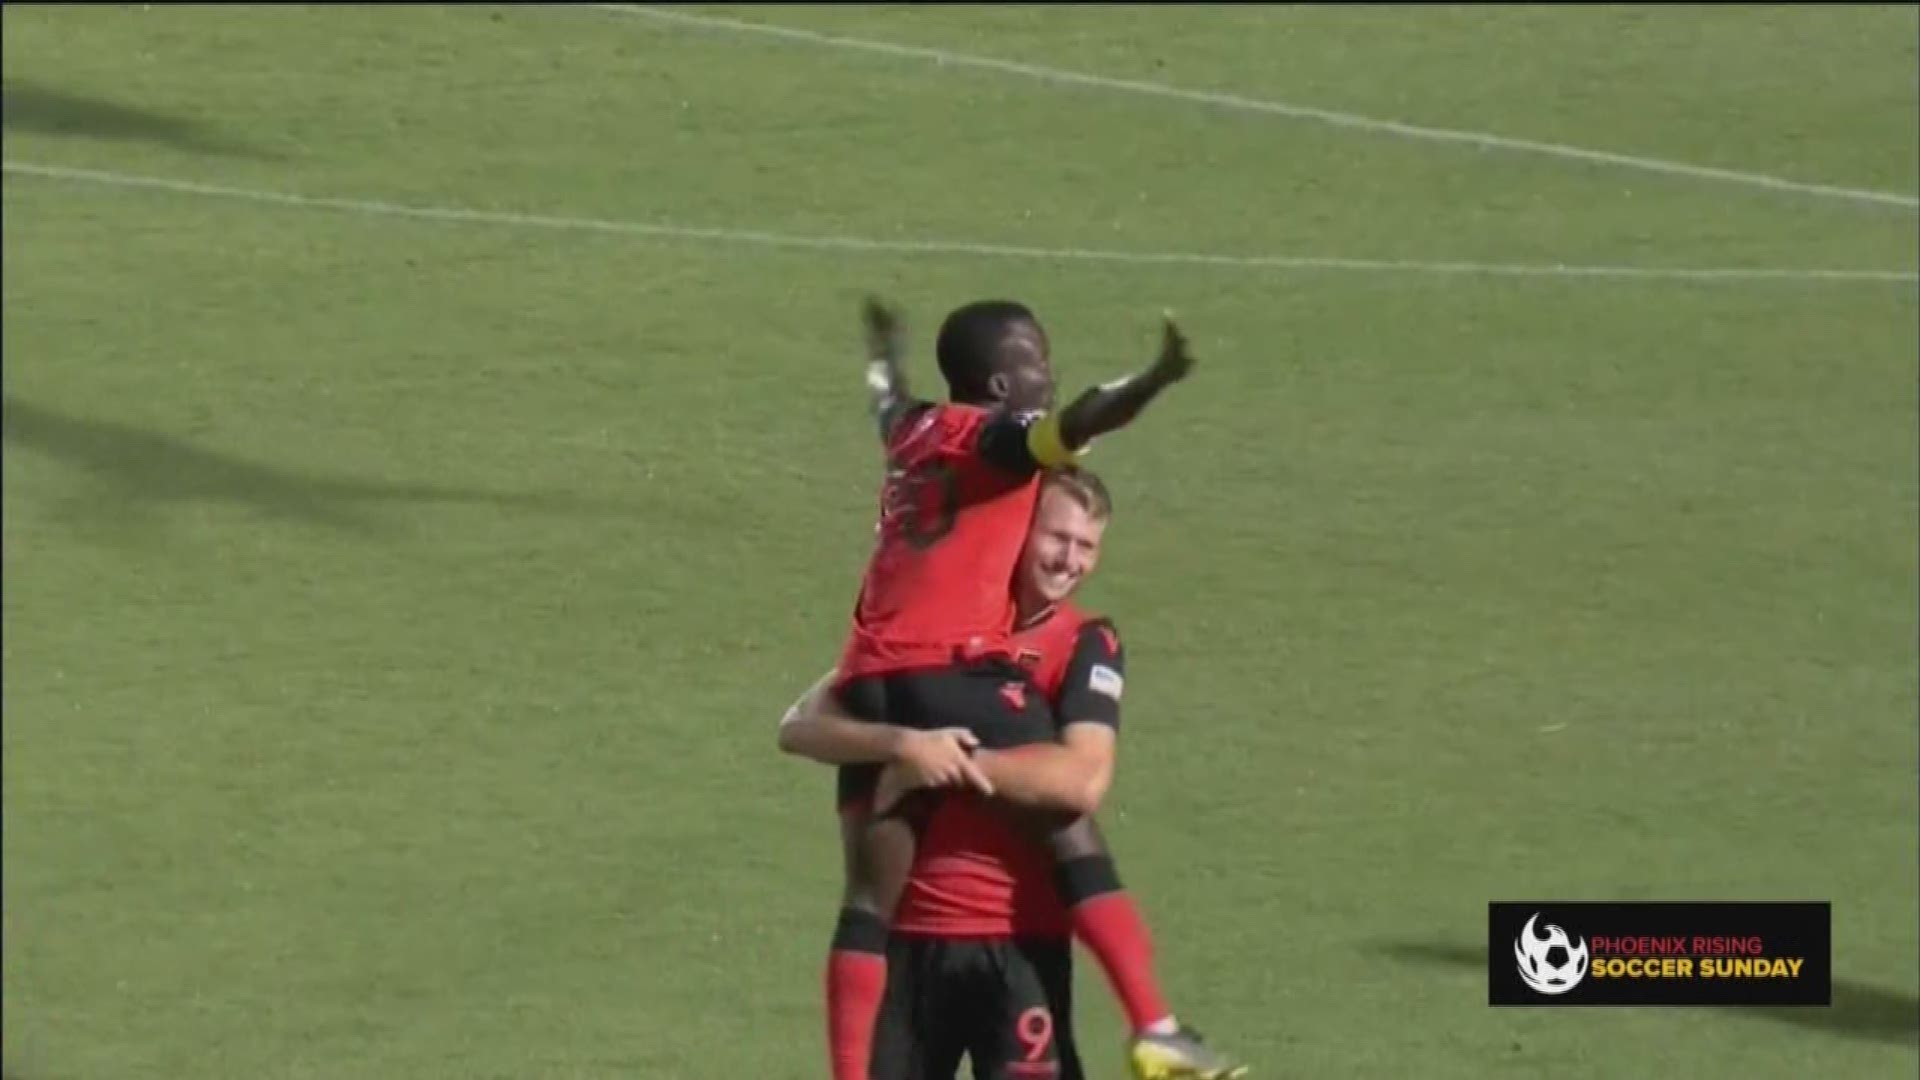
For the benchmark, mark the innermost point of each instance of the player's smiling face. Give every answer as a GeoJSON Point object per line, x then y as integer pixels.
{"type": "Point", "coordinates": [1063, 547]}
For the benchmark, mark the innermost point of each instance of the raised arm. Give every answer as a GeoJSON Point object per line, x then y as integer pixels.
{"type": "Point", "coordinates": [1026, 442]}
{"type": "Point", "coordinates": [1115, 404]}
{"type": "Point", "coordinates": [888, 398]}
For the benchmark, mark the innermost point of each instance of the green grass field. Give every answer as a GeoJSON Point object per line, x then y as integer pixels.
{"type": "Point", "coordinates": [398, 608]}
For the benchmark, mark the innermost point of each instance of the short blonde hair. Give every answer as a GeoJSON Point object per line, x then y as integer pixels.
{"type": "Point", "coordinates": [1085, 487]}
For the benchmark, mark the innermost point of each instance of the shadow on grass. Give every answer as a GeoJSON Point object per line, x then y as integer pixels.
{"type": "Point", "coordinates": [1859, 1011]}
{"type": "Point", "coordinates": [144, 469]}
{"type": "Point", "coordinates": [41, 110]}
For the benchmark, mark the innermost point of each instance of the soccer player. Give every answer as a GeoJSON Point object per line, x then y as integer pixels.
{"type": "Point", "coordinates": [980, 961]}
{"type": "Point", "coordinates": [931, 642]}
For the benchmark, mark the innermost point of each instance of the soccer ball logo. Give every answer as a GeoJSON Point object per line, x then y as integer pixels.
{"type": "Point", "coordinates": [1549, 963]}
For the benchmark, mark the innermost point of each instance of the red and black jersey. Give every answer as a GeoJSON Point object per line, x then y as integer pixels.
{"type": "Point", "coordinates": [958, 497]}
{"type": "Point", "coordinates": [1077, 661]}
{"type": "Point", "coordinates": [975, 876]}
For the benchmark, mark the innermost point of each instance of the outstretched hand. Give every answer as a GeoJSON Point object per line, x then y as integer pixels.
{"type": "Point", "coordinates": [886, 330]}
{"type": "Point", "coordinates": [1112, 406]}
{"type": "Point", "coordinates": [1175, 361]}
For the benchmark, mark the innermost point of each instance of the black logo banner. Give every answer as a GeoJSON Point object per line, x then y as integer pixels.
{"type": "Point", "coordinates": [1566, 952]}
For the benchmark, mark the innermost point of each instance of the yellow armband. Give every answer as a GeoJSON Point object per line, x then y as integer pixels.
{"type": "Point", "coordinates": [1046, 445]}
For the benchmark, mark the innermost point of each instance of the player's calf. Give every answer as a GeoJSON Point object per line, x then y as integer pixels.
{"type": "Point", "coordinates": [856, 981]}
{"type": "Point", "coordinates": [1108, 922]}
{"type": "Point", "coordinates": [879, 856]}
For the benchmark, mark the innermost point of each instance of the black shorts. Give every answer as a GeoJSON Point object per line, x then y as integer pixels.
{"type": "Point", "coordinates": [996, 700]}
{"type": "Point", "coordinates": [1007, 1004]}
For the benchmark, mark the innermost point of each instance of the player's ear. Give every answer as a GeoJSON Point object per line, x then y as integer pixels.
{"type": "Point", "coordinates": [999, 386]}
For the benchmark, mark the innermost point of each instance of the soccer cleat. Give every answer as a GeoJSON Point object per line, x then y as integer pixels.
{"type": "Point", "coordinates": [1183, 1055]}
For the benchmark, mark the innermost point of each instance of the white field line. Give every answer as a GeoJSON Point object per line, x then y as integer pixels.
{"type": "Point", "coordinates": [1236, 102]}
{"type": "Point", "coordinates": [761, 238]}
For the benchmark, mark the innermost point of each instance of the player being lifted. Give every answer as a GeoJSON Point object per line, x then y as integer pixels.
{"type": "Point", "coordinates": [931, 642]}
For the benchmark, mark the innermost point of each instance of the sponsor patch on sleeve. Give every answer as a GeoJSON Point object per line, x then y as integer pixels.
{"type": "Point", "coordinates": [1102, 679]}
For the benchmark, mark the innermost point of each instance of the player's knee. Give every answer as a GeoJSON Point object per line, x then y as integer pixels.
{"type": "Point", "coordinates": [1082, 879]}
{"type": "Point", "coordinates": [1079, 838]}
{"type": "Point", "coordinates": [860, 930]}
{"type": "Point", "coordinates": [873, 893]}
{"type": "Point", "coordinates": [859, 894]}
{"type": "Point", "coordinates": [882, 861]}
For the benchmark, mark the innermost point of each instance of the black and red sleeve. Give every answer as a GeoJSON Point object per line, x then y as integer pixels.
{"type": "Point", "coordinates": [1004, 439]}
{"type": "Point", "coordinates": [1023, 443]}
{"type": "Point", "coordinates": [1096, 675]}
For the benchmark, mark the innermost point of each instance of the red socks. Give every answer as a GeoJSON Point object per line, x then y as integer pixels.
{"type": "Point", "coordinates": [856, 986]}
{"type": "Point", "coordinates": [856, 982]}
{"type": "Point", "coordinates": [1110, 926]}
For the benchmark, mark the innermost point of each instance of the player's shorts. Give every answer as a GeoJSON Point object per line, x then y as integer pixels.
{"type": "Point", "coordinates": [996, 700]}
{"type": "Point", "coordinates": [1005, 1003]}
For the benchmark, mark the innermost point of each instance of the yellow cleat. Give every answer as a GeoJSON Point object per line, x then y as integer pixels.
{"type": "Point", "coordinates": [1183, 1055]}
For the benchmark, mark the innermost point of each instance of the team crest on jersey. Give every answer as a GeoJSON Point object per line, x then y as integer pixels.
{"type": "Point", "coordinates": [1104, 680]}
{"type": "Point", "coordinates": [1026, 657]}
{"type": "Point", "coordinates": [1015, 695]}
